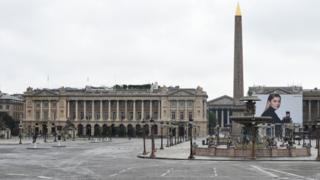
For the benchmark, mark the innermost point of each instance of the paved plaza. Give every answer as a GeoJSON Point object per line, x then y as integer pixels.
{"type": "Point", "coordinates": [84, 160]}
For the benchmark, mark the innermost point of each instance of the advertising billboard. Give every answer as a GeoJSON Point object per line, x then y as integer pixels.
{"type": "Point", "coordinates": [280, 105]}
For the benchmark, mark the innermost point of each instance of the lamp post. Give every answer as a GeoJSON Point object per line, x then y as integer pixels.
{"type": "Point", "coordinates": [73, 134]}
{"type": "Point", "coordinates": [20, 133]}
{"type": "Point", "coordinates": [167, 125]}
{"type": "Point", "coordinates": [144, 137]}
{"type": "Point", "coordinates": [318, 139]}
{"type": "Point", "coordinates": [55, 128]}
{"type": "Point", "coordinates": [161, 131]}
{"type": "Point", "coordinates": [190, 131]}
{"type": "Point", "coordinates": [152, 155]}
{"type": "Point", "coordinates": [218, 135]}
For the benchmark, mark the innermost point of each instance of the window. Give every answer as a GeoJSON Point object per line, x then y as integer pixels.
{"type": "Point", "coordinates": [7, 106]}
{"type": "Point", "coordinates": [114, 115]}
{"type": "Point", "coordinates": [81, 115]}
{"type": "Point", "coordinates": [173, 115]}
{"type": "Point", "coordinates": [0, 106]}
{"type": "Point", "coordinates": [181, 116]}
{"type": "Point", "coordinates": [173, 104]}
{"type": "Point", "coordinates": [130, 115]}
{"type": "Point", "coordinates": [122, 115]}
{"type": "Point", "coordinates": [190, 104]}
{"type": "Point", "coordinates": [190, 115]}
{"type": "Point", "coordinates": [139, 115]}
{"type": "Point", "coordinates": [181, 103]}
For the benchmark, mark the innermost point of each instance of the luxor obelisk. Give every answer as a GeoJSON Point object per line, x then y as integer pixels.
{"type": "Point", "coordinates": [238, 58]}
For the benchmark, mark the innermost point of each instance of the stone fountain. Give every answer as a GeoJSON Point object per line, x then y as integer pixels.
{"type": "Point", "coordinates": [250, 122]}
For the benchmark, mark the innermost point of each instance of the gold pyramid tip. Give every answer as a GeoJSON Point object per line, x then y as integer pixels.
{"type": "Point", "coordinates": [238, 11]}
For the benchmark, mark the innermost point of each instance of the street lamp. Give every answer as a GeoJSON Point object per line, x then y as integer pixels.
{"type": "Point", "coordinates": [152, 155]}
{"type": "Point", "coordinates": [190, 131]}
{"type": "Point", "coordinates": [20, 133]}
{"type": "Point", "coordinates": [55, 128]}
{"type": "Point", "coordinates": [218, 135]}
{"type": "Point", "coordinates": [167, 126]}
{"type": "Point", "coordinates": [44, 131]}
{"type": "Point", "coordinates": [73, 134]}
{"type": "Point", "coordinates": [161, 131]}
{"type": "Point", "coordinates": [144, 137]}
{"type": "Point", "coordinates": [318, 139]}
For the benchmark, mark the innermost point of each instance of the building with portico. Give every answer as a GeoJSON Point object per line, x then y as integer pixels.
{"type": "Point", "coordinates": [119, 110]}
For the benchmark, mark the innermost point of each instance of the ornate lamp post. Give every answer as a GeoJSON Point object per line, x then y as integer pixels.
{"type": "Point", "coordinates": [167, 126]}
{"type": "Point", "coordinates": [44, 131]}
{"type": "Point", "coordinates": [73, 134]}
{"type": "Point", "coordinates": [144, 137]}
{"type": "Point", "coordinates": [190, 131]}
{"type": "Point", "coordinates": [20, 132]}
{"type": "Point", "coordinates": [318, 139]}
{"type": "Point", "coordinates": [161, 131]}
{"type": "Point", "coordinates": [55, 128]}
{"type": "Point", "coordinates": [152, 155]}
{"type": "Point", "coordinates": [218, 134]}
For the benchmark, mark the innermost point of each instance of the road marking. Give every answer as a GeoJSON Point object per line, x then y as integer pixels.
{"type": "Point", "coordinates": [120, 172]}
{"type": "Point", "coordinates": [215, 174]}
{"type": "Point", "coordinates": [167, 172]}
{"type": "Point", "coordinates": [113, 175]}
{"type": "Point", "coordinates": [264, 171]}
{"type": "Point", "coordinates": [44, 177]}
{"type": "Point", "coordinates": [13, 174]}
{"type": "Point", "coordinates": [287, 173]}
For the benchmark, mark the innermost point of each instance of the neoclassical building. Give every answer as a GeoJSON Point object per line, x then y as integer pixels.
{"type": "Point", "coordinates": [311, 108]}
{"type": "Point", "coordinates": [120, 110]}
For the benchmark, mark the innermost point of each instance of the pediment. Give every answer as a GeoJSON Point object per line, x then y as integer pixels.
{"type": "Point", "coordinates": [181, 93]}
{"type": "Point", "coordinates": [45, 92]}
{"type": "Point", "coordinates": [223, 100]}
{"type": "Point", "coordinates": [278, 91]}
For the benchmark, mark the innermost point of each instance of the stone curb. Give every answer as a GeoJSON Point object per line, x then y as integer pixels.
{"type": "Point", "coordinates": [186, 159]}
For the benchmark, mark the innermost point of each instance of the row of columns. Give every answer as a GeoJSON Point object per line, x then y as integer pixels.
{"type": "Point", "coordinates": [221, 120]}
{"type": "Point", "coordinates": [310, 109]}
{"type": "Point", "coordinates": [109, 109]}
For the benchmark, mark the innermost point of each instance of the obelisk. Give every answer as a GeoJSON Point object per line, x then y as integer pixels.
{"type": "Point", "coordinates": [238, 58]}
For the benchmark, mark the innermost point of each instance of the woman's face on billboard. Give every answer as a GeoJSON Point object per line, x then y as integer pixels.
{"type": "Point", "coordinates": [275, 102]}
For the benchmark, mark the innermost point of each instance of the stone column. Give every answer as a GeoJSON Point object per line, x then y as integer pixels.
{"type": "Point", "coordinates": [49, 110]}
{"type": "Point", "coordinates": [177, 111]}
{"type": "Point", "coordinates": [217, 117]}
{"type": "Point", "coordinates": [101, 107]}
{"type": "Point", "coordinates": [228, 119]}
{"type": "Point", "coordinates": [318, 108]}
{"type": "Point", "coordinates": [126, 110]}
{"type": "Point", "coordinates": [186, 110]}
{"type": "Point", "coordinates": [68, 106]}
{"type": "Point", "coordinates": [222, 118]}
{"type": "Point", "coordinates": [117, 113]}
{"type": "Point", "coordinates": [77, 116]}
{"type": "Point", "coordinates": [33, 110]}
{"type": "Point", "coordinates": [92, 111]}
{"type": "Point", "coordinates": [109, 110]}
{"type": "Point", "coordinates": [205, 110]}
{"type": "Point", "coordinates": [159, 110]}
{"type": "Point", "coordinates": [85, 109]}
{"type": "Point", "coordinates": [150, 112]}
{"type": "Point", "coordinates": [41, 111]}
{"type": "Point", "coordinates": [309, 114]}
{"type": "Point", "coordinates": [142, 109]}
{"type": "Point", "coordinates": [134, 110]}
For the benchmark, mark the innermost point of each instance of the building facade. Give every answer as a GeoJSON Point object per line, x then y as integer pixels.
{"type": "Point", "coordinates": [122, 110]}
{"type": "Point", "coordinates": [311, 108]}
{"type": "Point", "coordinates": [13, 105]}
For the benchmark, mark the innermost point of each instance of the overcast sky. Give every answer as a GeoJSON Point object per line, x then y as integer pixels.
{"type": "Point", "coordinates": [172, 42]}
